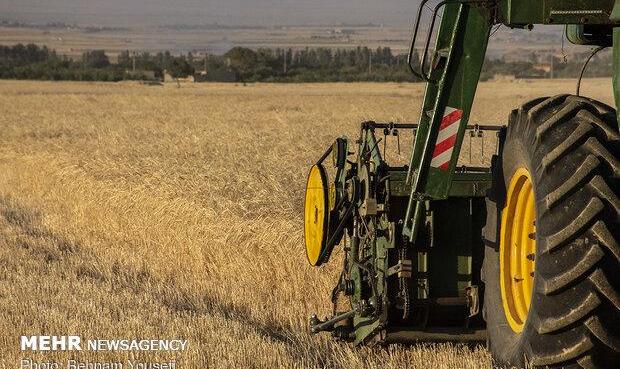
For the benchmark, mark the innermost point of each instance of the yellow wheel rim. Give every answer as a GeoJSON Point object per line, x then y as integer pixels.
{"type": "Point", "coordinates": [315, 214]}
{"type": "Point", "coordinates": [517, 249]}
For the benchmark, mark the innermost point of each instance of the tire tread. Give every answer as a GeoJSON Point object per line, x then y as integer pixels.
{"type": "Point", "coordinates": [574, 144]}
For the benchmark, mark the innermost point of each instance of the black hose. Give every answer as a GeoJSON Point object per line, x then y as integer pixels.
{"type": "Point", "coordinates": [583, 69]}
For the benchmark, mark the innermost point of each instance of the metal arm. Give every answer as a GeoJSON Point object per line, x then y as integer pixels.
{"type": "Point", "coordinates": [451, 84]}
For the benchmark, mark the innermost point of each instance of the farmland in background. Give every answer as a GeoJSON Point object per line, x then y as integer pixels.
{"type": "Point", "coordinates": [73, 40]}
{"type": "Point", "coordinates": [129, 211]}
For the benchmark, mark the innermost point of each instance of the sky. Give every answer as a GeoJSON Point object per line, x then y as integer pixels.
{"type": "Point", "coordinates": [231, 12]}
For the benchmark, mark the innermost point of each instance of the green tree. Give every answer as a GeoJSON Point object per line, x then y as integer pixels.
{"type": "Point", "coordinates": [179, 67]}
{"type": "Point", "coordinates": [242, 61]}
{"type": "Point", "coordinates": [95, 59]}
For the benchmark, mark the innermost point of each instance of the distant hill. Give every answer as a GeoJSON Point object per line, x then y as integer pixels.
{"type": "Point", "coordinates": [193, 24]}
{"type": "Point", "coordinates": [238, 12]}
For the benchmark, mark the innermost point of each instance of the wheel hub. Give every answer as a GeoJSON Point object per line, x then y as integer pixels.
{"type": "Point", "coordinates": [518, 249]}
{"type": "Point", "coordinates": [316, 214]}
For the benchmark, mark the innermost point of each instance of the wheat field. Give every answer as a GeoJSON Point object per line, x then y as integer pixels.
{"type": "Point", "coordinates": [129, 211]}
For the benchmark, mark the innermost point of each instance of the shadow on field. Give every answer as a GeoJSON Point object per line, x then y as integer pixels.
{"type": "Point", "coordinates": [22, 228]}
{"type": "Point", "coordinates": [28, 223]}
{"type": "Point", "coordinates": [182, 304]}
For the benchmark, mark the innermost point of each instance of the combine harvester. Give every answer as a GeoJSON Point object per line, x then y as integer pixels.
{"type": "Point", "coordinates": [525, 253]}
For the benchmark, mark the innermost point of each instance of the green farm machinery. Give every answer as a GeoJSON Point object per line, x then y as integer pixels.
{"type": "Point", "coordinates": [522, 253]}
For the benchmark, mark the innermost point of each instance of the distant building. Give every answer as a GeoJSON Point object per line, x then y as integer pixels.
{"type": "Point", "coordinates": [544, 68]}
{"type": "Point", "coordinates": [201, 76]}
{"type": "Point", "coordinates": [504, 77]}
{"type": "Point", "coordinates": [168, 78]}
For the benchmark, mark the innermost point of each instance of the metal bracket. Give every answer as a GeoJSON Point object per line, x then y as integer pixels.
{"type": "Point", "coordinates": [317, 325]}
{"type": "Point", "coordinates": [403, 268]}
{"type": "Point", "coordinates": [473, 300]}
{"type": "Point", "coordinates": [369, 207]}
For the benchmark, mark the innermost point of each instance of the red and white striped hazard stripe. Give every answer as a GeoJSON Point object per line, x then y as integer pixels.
{"type": "Point", "coordinates": [446, 138]}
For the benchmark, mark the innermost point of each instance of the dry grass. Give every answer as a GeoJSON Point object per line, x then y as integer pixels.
{"type": "Point", "coordinates": [128, 211]}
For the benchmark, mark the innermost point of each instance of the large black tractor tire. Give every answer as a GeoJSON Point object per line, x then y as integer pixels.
{"type": "Point", "coordinates": [570, 145]}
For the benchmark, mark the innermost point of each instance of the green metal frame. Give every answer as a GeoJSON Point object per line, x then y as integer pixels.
{"type": "Point", "coordinates": [431, 217]}
{"type": "Point", "coordinates": [530, 12]}
{"type": "Point", "coordinates": [445, 272]}
{"type": "Point", "coordinates": [460, 49]}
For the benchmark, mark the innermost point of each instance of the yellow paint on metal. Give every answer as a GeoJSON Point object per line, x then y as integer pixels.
{"type": "Point", "coordinates": [315, 214]}
{"type": "Point", "coordinates": [517, 249]}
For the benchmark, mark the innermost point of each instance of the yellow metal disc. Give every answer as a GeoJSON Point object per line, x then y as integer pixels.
{"type": "Point", "coordinates": [517, 249]}
{"type": "Point", "coordinates": [316, 214]}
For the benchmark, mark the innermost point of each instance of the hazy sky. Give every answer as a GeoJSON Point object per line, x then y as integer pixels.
{"type": "Point", "coordinates": [248, 12]}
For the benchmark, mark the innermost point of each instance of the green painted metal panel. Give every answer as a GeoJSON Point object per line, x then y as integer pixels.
{"type": "Point", "coordinates": [584, 34]}
{"type": "Point", "coordinates": [521, 12]}
{"type": "Point", "coordinates": [615, 12]}
{"type": "Point", "coordinates": [463, 184]}
{"type": "Point", "coordinates": [456, 256]}
{"type": "Point", "coordinates": [459, 53]}
{"type": "Point", "coordinates": [524, 12]}
{"type": "Point", "coordinates": [461, 45]}
{"type": "Point", "coordinates": [469, 188]}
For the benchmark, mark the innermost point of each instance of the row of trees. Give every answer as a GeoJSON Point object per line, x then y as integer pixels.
{"type": "Point", "coordinates": [314, 65]}
{"type": "Point", "coordinates": [266, 65]}
{"type": "Point", "coordinates": [242, 64]}
{"type": "Point", "coordinates": [34, 62]}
